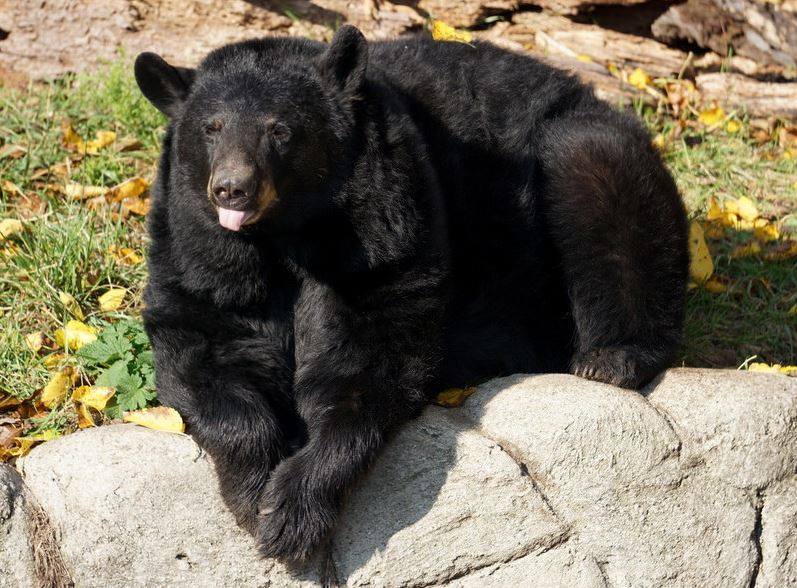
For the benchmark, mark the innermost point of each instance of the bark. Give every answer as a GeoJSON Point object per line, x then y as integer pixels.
{"type": "Point", "coordinates": [757, 98]}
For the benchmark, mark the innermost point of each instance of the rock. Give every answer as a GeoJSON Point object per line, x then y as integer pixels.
{"type": "Point", "coordinates": [757, 98]}
{"type": "Point", "coordinates": [16, 560]}
{"type": "Point", "coordinates": [442, 501]}
{"type": "Point", "coordinates": [136, 507]}
{"type": "Point", "coordinates": [549, 477]}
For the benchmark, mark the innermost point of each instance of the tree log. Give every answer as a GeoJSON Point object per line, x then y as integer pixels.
{"type": "Point", "coordinates": [559, 36]}
{"type": "Point", "coordinates": [757, 98]}
{"type": "Point", "coordinates": [763, 31]}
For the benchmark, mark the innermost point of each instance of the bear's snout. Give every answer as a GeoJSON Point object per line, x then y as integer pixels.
{"type": "Point", "coordinates": [234, 187]}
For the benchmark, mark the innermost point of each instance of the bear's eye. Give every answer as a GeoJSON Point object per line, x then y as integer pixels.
{"type": "Point", "coordinates": [280, 134]}
{"type": "Point", "coordinates": [213, 127]}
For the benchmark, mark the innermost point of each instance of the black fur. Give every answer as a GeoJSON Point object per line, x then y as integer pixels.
{"type": "Point", "coordinates": [445, 214]}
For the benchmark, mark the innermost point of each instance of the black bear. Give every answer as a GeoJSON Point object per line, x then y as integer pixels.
{"type": "Point", "coordinates": [340, 230]}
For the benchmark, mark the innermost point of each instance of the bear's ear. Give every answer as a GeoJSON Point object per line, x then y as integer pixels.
{"type": "Point", "coordinates": [164, 85]}
{"type": "Point", "coordinates": [343, 64]}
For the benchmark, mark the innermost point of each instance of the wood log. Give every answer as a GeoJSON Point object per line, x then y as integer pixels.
{"type": "Point", "coordinates": [762, 99]}
{"type": "Point", "coordinates": [559, 36]}
{"type": "Point", "coordinates": [763, 31]}
{"type": "Point", "coordinates": [576, 6]}
{"type": "Point", "coordinates": [465, 13]}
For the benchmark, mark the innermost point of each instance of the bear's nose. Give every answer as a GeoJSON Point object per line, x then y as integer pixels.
{"type": "Point", "coordinates": [234, 187]}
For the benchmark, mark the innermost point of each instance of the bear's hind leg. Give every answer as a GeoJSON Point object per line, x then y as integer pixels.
{"type": "Point", "coordinates": [620, 230]}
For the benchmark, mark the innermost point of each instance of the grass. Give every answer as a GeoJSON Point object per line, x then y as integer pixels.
{"type": "Point", "coordinates": [67, 246]}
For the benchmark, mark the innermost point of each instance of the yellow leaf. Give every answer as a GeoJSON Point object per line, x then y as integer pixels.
{"type": "Point", "coordinates": [55, 391]}
{"type": "Point", "coordinates": [746, 209]}
{"type": "Point", "coordinates": [102, 139]}
{"type": "Point", "coordinates": [70, 138]}
{"type": "Point", "coordinates": [10, 226]}
{"type": "Point", "coordinates": [733, 126]}
{"type": "Point", "coordinates": [711, 116]}
{"type": "Point", "coordinates": [160, 418]}
{"type": "Point", "coordinates": [53, 360]}
{"type": "Point", "coordinates": [766, 233]}
{"type": "Point", "coordinates": [20, 446]}
{"type": "Point", "coordinates": [136, 205]}
{"type": "Point", "coordinates": [34, 341]}
{"type": "Point", "coordinates": [71, 305]}
{"type": "Point", "coordinates": [775, 368]}
{"type": "Point", "coordinates": [131, 188]}
{"type": "Point", "coordinates": [84, 417]}
{"type": "Point", "coordinates": [714, 285]}
{"type": "Point", "coordinates": [7, 401]}
{"type": "Point", "coordinates": [81, 192]}
{"type": "Point", "coordinates": [453, 396]}
{"type": "Point", "coordinates": [75, 335]}
{"type": "Point", "coordinates": [746, 250]}
{"type": "Point", "coordinates": [125, 255]}
{"type": "Point", "coordinates": [444, 32]}
{"type": "Point", "coordinates": [714, 211]}
{"type": "Point", "coordinates": [584, 58]}
{"type": "Point", "coordinates": [701, 266]}
{"type": "Point", "coordinates": [792, 311]}
{"type": "Point", "coordinates": [639, 78]}
{"type": "Point", "coordinates": [94, 396]}
{"type": "Point", "coordinates": [112, 299]}
{"type": "Point", "coordinates": [659, 142]}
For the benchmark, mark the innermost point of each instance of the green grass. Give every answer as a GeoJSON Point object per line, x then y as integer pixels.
{"type": "Point", "coordinates": [65, 248]}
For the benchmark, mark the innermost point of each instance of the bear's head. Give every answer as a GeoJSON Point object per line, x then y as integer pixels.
{"type": "Point", "coordinates": [257, 130]}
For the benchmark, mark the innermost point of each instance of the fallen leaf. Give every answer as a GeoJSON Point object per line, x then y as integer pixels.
{"type": "Point", "coordinates": [639, 79]}
{"type": "Point", "coordinates": [131, 188]}
{"type": "Point", "coordinates": [128, 144]}
{"type": "Point", "coordinates": [137, 206]}
{"type": "Point", "coordinates": [733, 126]}
{"type": "Point", "coordinates": [746, 250]}
{"type": "Point", "coordinates": [775, 368]}
{"type": "Point", "coordinates": [94, 396]}
{"type": "Point", "coordinates": [10, 226]}
{"type": "Point", "coordinates": [84, 417]}
{"type": "Point", "coordinates": [445, 32]}
{"type": "Point", "coordinates": [584, 58]}
{"type": "Point", "coordinates": [746, 209]}
{"type": "Point", "coordinates": [714, 231]}
{"type": "Point", "coordinates": [71, 305]}
{"type": "Point", "coordinates": [55, 391]}
{"type": "Point", "coordinates": [715, 285]}
{"type": "Point", "coordinates": [711, 116]}
{"type": "Point", "coordinates": [112, 299]}
{"type": "Point", "coordinates": [125, 255]}
{"type": "Point", "coordinates": [659, 142]}
{"type": "Point", "coordinates": [701, 266]}
{"type": "Point", "coordinates": [80, 192]}
{"type": "Point", "coordinates": [53, 360]}
{"type": "Point", "coordinates": [102, 139]}
{"type": "Point", "coordinates": [766, 233]}
{"type": "Point", "coordinates": [792, 311]}
{"type": "Point", "coordinates": [34, 341]}
{"type": "Point", "coordinates": [75, 335]}
{"type": "Point", "coordinates": [453, 396]}
{"type": "Point", "coordinates": [7, 401]}
{"type": "Point", "coordinates": [160, 418]}
{"type": "Point", "coordinates": [12, 152]}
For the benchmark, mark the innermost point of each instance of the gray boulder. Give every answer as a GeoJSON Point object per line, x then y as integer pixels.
{"type": "Point", "coordinates": [536, 480]}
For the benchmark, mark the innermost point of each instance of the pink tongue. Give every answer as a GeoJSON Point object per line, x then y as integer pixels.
{"type": "Point", "coordinates": [232, 219]}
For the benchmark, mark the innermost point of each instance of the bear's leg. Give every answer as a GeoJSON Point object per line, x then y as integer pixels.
{"type": "Point", "coordinates": [360, 373]}
{"type": "Point", "coordinates": [228, 394]}
{"type": "Point", "coordinates": [620, 230]}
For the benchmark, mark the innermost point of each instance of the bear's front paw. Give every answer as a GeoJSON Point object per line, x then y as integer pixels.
{"type": "Point", "coordinates": [616, 366]}
{"type": "Point", "coordinates": [292, 522]}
